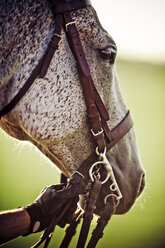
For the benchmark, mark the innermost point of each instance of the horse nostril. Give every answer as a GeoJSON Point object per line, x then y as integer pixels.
{"type": "Point", "coordinates": [141, 185]}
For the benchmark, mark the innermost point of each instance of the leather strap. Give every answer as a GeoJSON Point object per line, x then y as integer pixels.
{"type": "Point", "coordinates": [40, 70]}
{"type": "Point", "coordinates": [89, 210]}
{"type": "Point", "coordinates": [52, 47]}
{"type": "Point", "coordinates": [105, 216]}
{"type": "Point", "coordinates": [71, 230]}
{"type": "Point", "coordinates": [22, 91]}
{"type": "Point", "coordinates": [120, 130]}
{"type": "Point", "coordinates": [87, 84]}
{"type": "Point", "coordinates": [117, 133]}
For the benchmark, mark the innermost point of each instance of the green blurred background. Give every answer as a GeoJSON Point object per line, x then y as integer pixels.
{"type": "Point", "coordinates": [24, 171]}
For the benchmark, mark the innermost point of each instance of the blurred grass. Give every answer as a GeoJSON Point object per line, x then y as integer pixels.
{"type": "Point", "coordinates": [24, 171]}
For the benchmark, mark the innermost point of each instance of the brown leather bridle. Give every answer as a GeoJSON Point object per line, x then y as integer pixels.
{"type": "Point", "coordinates": [104, 138]}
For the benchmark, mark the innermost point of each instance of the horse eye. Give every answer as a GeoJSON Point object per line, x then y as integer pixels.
{"type": "Point", "coordinates": [108, 54]}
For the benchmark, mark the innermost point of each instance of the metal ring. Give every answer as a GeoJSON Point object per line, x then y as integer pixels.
{"type": "Point", "coordinates": [102, 154]}
{"type": "Point", "coordinates": [96, 175]}
{"type": "Point", "coordinates": [113, 195]}
{"type": "Point", "coordinates": [91, 172]}
{"type": "Point", "coordinates": [113, 187]}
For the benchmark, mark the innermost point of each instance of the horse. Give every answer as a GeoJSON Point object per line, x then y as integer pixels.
{"type": "Point", "coordinates": [52, 114]}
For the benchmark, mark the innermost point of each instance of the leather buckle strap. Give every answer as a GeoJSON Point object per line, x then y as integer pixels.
{"type": "Point", "coordinates": [117, 133]}
{"type": "Point", "coordinates": [68, 24]}
{"type": "Point", "coordinates": [87, 84]}
{"type": "Point", "coordinates": [98, 133]}
{"type": "Point", "coordinates": [75, 43]}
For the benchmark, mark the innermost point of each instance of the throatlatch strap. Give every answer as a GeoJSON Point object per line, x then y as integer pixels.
{"type": "Point", "coordinates": [22, 91]}
{"type": "Point", "coordinates": [40, 70]}
{"type": "Point", "coordinates": [52, 47]}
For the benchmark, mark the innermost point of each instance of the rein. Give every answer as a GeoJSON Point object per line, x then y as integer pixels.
{"type": "Point", "coordinates": [96, 170]}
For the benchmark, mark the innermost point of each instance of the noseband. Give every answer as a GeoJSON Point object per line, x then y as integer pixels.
{"type": "Point", "coordinates": [96, 170]}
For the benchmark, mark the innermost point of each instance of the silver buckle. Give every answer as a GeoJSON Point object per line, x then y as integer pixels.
{"type": "Point", "coordinates": [68, 24]}
{"type": "Point", "coordinates": [98, 133]}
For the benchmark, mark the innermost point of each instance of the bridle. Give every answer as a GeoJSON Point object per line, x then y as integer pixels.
{"type": "Point", "coordinates": [96, 170]}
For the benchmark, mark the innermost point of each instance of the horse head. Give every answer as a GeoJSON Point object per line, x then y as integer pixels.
{"type": "Point", "coordinates": [52, 114]}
